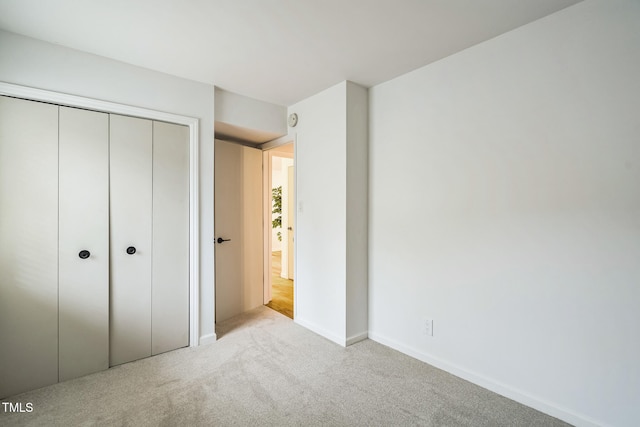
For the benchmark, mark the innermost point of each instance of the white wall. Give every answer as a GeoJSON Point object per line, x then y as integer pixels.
{"type": "Point", "coordinates": [357, 153]}
{"type": "Point", "coordinates": [321, 250]}
{"type": "Point", "coordinates": [505, 205]}
{"type": "Point", "coordinates": [42, 65]}
{"type": "Point", "coordinates": [324, 244]}
{"type": "Point", "coordinates": [249, 113]}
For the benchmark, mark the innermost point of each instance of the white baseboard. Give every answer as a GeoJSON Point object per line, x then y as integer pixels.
{"type": "Point", "coordinates": [357, 338]}
{"type": "Point", "coordinates": [320, 331]}
{"type": "Point", "coordinates": [490, 384]}
{"type": "Point", "coordinates": [208, 339]}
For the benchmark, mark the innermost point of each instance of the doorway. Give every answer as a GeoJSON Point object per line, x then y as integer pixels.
{"type": "Point", "coordinates": [280, 230]}
{"type": "Point", "coordinates": [239, 229]}
{"type": "Point", "coordinates": [244, 257]}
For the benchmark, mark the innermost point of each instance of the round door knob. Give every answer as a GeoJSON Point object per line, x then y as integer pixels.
{"type": "Point", "coordinates": [131, 250]}
{"type": "Point", "coordinates": [84, 254]}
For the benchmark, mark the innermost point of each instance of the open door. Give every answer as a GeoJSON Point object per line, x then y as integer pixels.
{"type": "Point", "coordinates": [291, 203]}
{"type": "Point", "coordinates": [279, 228]}
{"type": "Point", "coordinates": [238, 229]}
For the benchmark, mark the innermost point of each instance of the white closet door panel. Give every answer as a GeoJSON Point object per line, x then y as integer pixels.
{"type": "Point", "coordinates": [170, 271]}
{"type": "Point", "coordinates": [28, 245]}
{"type": "Point", "coordinates": [131, 210]}
{"type": "Point", "coordinates": [84, 225]}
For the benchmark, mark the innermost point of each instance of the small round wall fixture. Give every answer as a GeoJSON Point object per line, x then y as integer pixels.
{"type": "Point", "coordinates": [293, 120]}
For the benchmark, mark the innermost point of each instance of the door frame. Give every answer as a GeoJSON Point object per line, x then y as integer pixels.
{"type": "Point", "coordinates": [269, 149]}
{"type": "Point", "coordinates": [62, 99]}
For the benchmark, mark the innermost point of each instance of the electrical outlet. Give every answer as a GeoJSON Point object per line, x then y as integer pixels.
{"type": "Point", "coordinates": [428, 327]}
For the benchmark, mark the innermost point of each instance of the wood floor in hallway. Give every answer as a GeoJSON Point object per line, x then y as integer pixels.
{"type": "Point", "coordinates": [281, 289]}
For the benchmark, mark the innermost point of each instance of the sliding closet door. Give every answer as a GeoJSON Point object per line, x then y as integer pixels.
{"type": "Point", "coordinates": [28, 245]}
{"type": "Point", "coordinates": [131, 213]}
{"type": "Point", "coordinates": [83, 242]}
{"type": "Point", "coordinates": [170, 277]}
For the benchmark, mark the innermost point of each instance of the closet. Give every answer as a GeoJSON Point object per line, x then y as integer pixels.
{"type": "Point", "coordinates": [94, 241]}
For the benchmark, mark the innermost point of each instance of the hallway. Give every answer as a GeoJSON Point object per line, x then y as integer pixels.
{"type": "Point", "coordinates": [281, 289]}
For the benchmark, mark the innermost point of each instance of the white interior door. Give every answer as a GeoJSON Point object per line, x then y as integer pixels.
{"type": "Point", "coordinates": [267, 208]}
{"type": "Point", "coordinates": [291, 203]}
{"type": "Point", "coordinates": [238, 217]}
{"type": "Point", "coordinates": [83, 242]}
{"type": "Point", "coordinates": [252, 235]}
{"type": "Point", "coordinates": [170, 271]}
{"type": "Point", "coordinates": [228, 226]}
{"type": "Point", "coordinates": [28, 245]}
{"type": "Point", "coordinates": [287, 196]}
{"type": "Point", "coordinates": [131, 214]}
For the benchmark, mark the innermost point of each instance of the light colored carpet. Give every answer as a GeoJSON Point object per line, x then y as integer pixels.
{"type": "Point", "coordinates": [266, 370]}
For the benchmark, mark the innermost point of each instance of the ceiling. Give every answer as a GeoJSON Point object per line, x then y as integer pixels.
{"type": "Point", "coordinates": [280, 51]}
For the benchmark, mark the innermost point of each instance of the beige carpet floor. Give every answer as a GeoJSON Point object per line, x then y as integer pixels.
{"type": "Point", "coordinates": [266, 370]}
